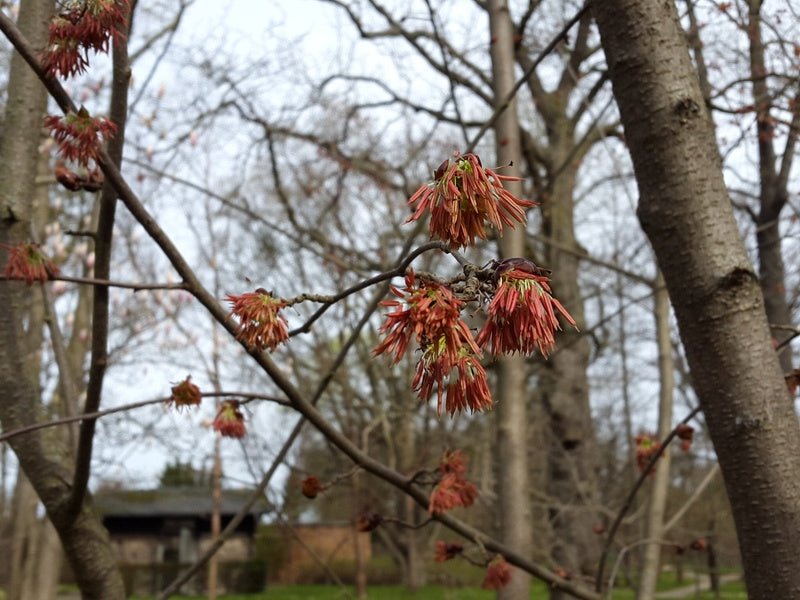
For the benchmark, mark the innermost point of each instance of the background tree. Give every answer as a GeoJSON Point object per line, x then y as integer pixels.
{"type": "Point", "coordinates": [685, 211]}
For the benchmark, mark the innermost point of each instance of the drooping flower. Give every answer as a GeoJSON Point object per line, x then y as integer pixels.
{"type": "Point", "coordinates": [452, 490]}
{"type": "Point", "coordinates": [260, 324]}
{"type": "Point", "coordinates": [79, 135]}
{"type": "Point", "coordinates": [427, 311]}
{"type": "Point", "coordinates": [430, 313]}
{"type": "Point", "coordinates": [647, 446]}
{"type": "Point", "coordinates": [27, 262]}
{"type": "Point", "coordinates": [230, 420]}
{"type": "Point", "coordinates": [469, 390]}
{"type": "Point", "coordinates": [460, 382]}
{"type": "Point", "coordinates": [83, 26]}
{"type": "Point", "coordinates": [700, 544]}
{"type": "Point", "coordinates": [447, 550]}
{"type": "Point", "coordinates": [498, 574]}
{"type": "Point", "coordinates": [522, 316]}
{"type": "Point", "coordinates": [185, 393]}
{"type": "Point", "coordinates": [311, 487]}
{"type": "Point", "coordinates": [368, 521]}
{"type": "Point", "coordinates": [462, 197]}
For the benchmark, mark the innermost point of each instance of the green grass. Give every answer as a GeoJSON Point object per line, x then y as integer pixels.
{"type": "Point", "coordinates": [732, 591]}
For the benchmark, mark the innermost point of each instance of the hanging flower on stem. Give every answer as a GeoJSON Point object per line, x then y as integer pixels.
{"type": "Point", "coordinates": [452, 490]}
{"type": "Point", "coordinates": [523, 315]}
{"type": "Point", "coordinates": [462, 197]}
{"type": "Point", "coordinates": [428, 311]}
{"type": "Point", "coordinates": [311, 487]}
{"type": "Point", "coordinates": [460, 384]}
{"type": "Point", "coordinates": [230, 420]}
{"type": "Point", "coordinates": [27, 262]}
{"type": "Point", "coordinates": [185, 393]}
{"type": "Point", "coordinates": [81, 26]}
{"type": "Point", "coordinates": [498, 574]}
{"type": "Point", "coordinates": [447, 550]}
{"type": "Point", "coordinates": [260, 324]}
{"type": "Point", "coordinates": [79, 135]}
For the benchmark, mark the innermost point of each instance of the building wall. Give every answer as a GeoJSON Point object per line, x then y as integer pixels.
{"type": "Point", "coordinates": [144, 549]}
{"type": "Point", "coordinates": [309, 545]}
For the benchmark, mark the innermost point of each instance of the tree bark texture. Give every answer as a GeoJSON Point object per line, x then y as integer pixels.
{"type": "Point", "coordinates": [685, 211]}
{"type": "Point", "coordinates": [512, 397]}
{"type": "Point", "coordinates": [85, 542]}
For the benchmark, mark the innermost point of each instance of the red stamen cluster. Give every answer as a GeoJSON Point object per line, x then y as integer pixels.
{"type": "Point", "coordinates": [498, 574]}
{"type": "Point", "coordinates": [79, 135]}
{"type": "Point", "coordinates": [452, 490]}
{"type": "Point", "coordinates": [27, 263]}
{"type": "Point", "coordinates": [185, 393]}
{"type": "Point", "coordinates": [368, 521]}
{"type": "Point", "coordinates": [84, 25]}
{"type": "Point", "coordinates": [311, 487]}
{"type": "Point", "coordinates": [685, 434]}
{"type": "Point", "coordinates": [522, 315]}
{"type": "Point", "coordinates": [260, 324]}
{"type": "Point", "coordinates": [647, 446]}
{"type": "Point", "coordinates": [460, 383]}
{"type": "Point", "coordinates": [230, 420]}
{"type": "Point", "coordinates": [462, 197]}
{"type": "Point", "coordinates": [431, 314]}
{"type": "Point", "coordinates": [447, 550]}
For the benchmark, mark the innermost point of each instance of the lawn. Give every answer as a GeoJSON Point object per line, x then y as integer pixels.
{"type": "Point", "coordinates": [733, 591]}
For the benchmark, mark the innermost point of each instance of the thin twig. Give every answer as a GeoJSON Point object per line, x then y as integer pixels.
{"type": "Point", "coordinates": [131, 285]}
{"type": "Point", "coordinates": [598, 584]}
{"type": "Point", "coordinates": [246, 396]}
{"type": "Point", "coordinates": [542, 55]}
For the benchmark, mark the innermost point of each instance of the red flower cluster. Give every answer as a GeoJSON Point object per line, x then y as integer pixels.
{"type": "Point", "coordinates": [368, 521]}
{"type": "Point", "coordinates": [646, 447]}
{"type": "Point", "coordinates": [498, 574]}
{"type": "Point", "coordinates": [431, 314]}
{"type": "Point", "coordinates": [27, 262]}
{"type": "Point", "coordinates": [311, 487]}
{"type": "Point", "coordinates": [447, 550]}
{"type": "Point", "coordinates": [685, 434]}
{"type": "Point", "coordinates": [185, 393]}
{"type": "Point", "coordinates": [86, 25]}
{"type": "Point", "coordinates": [700, 544]}
{"type": "Point", "coordinates": [427, 311]}
{"type": "Point", "coordinates": [462, 196]}
{"type": "Point", "coordinates": [260, 325]}
{"type": "Point", "coordinates": [452, 490]}
{"type": "Point", "coordinates": [229, 420]}
{"type": "Point", "coordinates": [522, 314]}
{"type": "Point", "coordinates": [79, 135]}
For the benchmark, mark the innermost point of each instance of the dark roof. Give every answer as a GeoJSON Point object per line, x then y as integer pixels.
{"type": "Point", "coordinates": [172, 501]}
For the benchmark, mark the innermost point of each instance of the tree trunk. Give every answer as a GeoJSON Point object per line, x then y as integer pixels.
{"type": "Point", "coordinates": [84, 540]}
{"type": "Point", "coordinates": [773, 193]}
{"type": "Point", "coordinates": [685, 211]}
{"type": "Point", "coordinates": [512, 396]}
{"type": "Point", "coordinates": [571, 448]}
{"type": "Point", "coordinates": [651, 565]}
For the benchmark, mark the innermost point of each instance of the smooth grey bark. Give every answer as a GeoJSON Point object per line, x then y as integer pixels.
{"type": "Point", "coordinates": [685, 211]}
{"type": "Point", "coordinates": [512, 396]}
{"type": "Point", "coordinates": [571, 449]}
{"type": "Point", "coordinates": [84, 540]}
